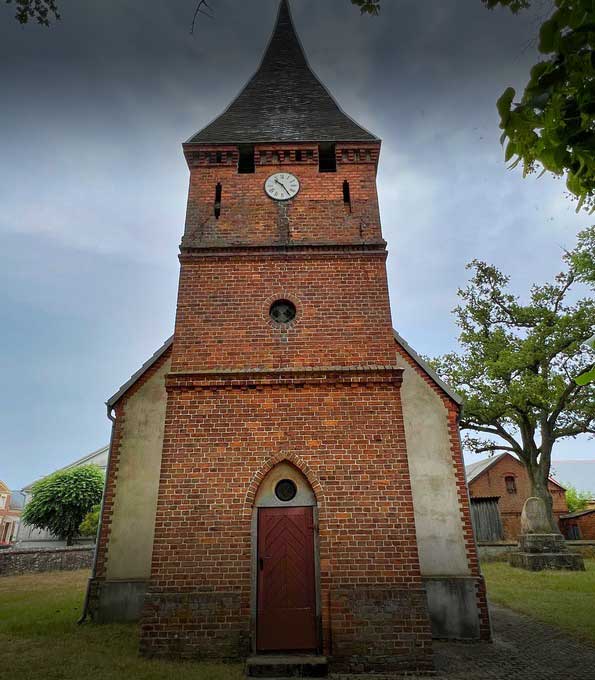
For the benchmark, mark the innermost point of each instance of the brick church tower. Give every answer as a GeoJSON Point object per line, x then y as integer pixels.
{"type": "Point", "coordinates": [265, 462]}
{"type": "Point", "coordinates": [283, 369]}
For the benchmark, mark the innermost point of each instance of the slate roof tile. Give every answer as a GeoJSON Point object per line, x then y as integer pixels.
{"type": "Point", "coordinates": [284, 101]}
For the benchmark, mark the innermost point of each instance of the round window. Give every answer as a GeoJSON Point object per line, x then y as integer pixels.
{"type": "Point", "coordinates": [285, 490]}
{"type": "Point", "coordinates": [282, 311]}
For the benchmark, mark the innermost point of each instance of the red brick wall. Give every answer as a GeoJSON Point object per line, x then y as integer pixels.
{"type": "Point", "coordinates": [323, 391]}
{"type": "Point", "coordinates": [343, 313]}
{"type": "Point", "coordinates": [348, 430]}
{"type": "Point", "coordinates": [585, 524]}
{"type": "Point", "coordinates": [492, 483]}
{"type": "Point", "coordinates": [249, 217]}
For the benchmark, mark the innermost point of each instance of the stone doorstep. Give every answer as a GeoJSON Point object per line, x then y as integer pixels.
{"type": "Point", "coordinates": [286, 666]}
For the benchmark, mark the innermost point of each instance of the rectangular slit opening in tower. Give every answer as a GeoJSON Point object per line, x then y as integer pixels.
{"type": "Point", "coordinates": [347, 195]}
{"type": "Point", "coordinates": [246, 162]}
{"type": "Point", "coordinates": [327, 159]}
{"type": "Point", "coordinates": [218, 193]}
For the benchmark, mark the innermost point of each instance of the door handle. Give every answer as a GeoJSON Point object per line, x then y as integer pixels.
{"type": "Point", "coordinates": [261, 562]}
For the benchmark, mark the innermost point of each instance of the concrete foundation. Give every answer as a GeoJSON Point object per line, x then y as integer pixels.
{"type": "Point", "coordinates": [452, 605]}
{"type": "Point", "coordinates": [116, 601]}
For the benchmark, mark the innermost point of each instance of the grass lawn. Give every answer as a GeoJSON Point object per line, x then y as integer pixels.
{"type": "Point", "coordinates": [39, 637]}
{"type": "Point", "coordinates": [565, 599]}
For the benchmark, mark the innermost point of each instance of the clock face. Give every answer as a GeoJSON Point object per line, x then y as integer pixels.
{"type": "Point", "coordinates": [282, 186]}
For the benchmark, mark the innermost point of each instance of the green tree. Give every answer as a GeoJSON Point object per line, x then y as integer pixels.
{"type": "Point", "coordinates": [576, 500]}
{"type": "Point", "coordinates": [583, 260]}
{"type": "Point", "coordinates": [552, 126]}
{"type": "Point", "coordinates": [517, 366]}
{"type": "Point", "coordinates": [61, 500]}
{"type": "Point", "coordinates": [90, 523]}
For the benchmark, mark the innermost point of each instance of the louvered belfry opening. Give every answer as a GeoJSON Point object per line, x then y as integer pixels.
{"type": "Point", "coordinates": [246, 160]}
{"type": "Point", "coordinates": [327, 158]}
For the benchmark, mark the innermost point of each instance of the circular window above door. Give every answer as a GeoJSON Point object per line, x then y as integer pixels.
{"type": "Point", "coordinates": [285, 490]}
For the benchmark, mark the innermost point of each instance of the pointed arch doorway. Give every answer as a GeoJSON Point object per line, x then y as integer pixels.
{"type": "Point", "coordinates": [286, 600]}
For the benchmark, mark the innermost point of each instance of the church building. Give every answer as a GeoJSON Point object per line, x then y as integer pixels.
{"type": "Point", "coordinates": [285, 473]}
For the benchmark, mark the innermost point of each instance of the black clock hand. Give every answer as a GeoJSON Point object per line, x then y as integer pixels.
{"type": "Point", "coordinates": [283, 185]}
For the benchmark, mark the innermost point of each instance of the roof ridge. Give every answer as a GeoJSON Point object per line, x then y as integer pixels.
{"type": "Point", "coordinates": [457, 398]}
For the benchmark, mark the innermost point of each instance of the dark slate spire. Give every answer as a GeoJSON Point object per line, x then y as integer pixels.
{"type": "Point", "coordinates": [283, 101]}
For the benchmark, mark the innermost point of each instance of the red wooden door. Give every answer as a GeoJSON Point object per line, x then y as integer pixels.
{"type": "Point", "coordinates": [286, 617]}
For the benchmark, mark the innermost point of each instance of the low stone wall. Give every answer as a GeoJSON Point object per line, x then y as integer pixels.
{"type": "Point", "coordinates": [498, 552]}
{"type": "Point", "coordinates": [37, 560]}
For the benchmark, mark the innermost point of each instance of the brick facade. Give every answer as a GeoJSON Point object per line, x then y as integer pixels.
{"type": "Point", "coordinates": [317, 215]}
{"type": "Point", "coordinates": [202, 537]}
{"type": "Point", "coordinates": [492, 482]}
{"type": "Point", "coordinates": [322, 390]}
{"type": "Point", "coordinates": [579, 526]}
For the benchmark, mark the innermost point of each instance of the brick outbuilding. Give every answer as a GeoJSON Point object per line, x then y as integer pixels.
{"type": "Point", "coordinates": [503, 483]}
{"type": "Point", "coordinates": [579, 526]}
{"type": "Point", "coordinates": [285, 472]}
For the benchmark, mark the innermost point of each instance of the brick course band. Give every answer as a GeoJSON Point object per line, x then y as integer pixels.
{"type": "Point", "coordinates": [284, 250]}
{"type": "Point", "coordinates": [306, 376]}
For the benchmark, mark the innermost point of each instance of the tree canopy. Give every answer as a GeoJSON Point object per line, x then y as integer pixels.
{"type": "Point", "coordinates": [576, 500]}
{"type": "Point", "coordinates": [61, 500]}
{"type": "Point", "coordinates": [552, 126]}
{"type": "Point", "coordinates": [41, 11]}
{"type": "Point", "coordinates": [517, 366]}
{"type": "Point", "coordinates": [90, 523]}
{"type": "Point", "coordinates": [583, 259]}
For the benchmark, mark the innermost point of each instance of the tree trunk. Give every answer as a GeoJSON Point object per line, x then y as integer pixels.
{"type": "Point", "coordinates": [539, 488]}
{"type": "Point", "coordinates": [69, 540]}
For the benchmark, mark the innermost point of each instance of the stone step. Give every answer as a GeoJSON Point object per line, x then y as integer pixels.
{"type": "Point", "coordinates": [286, 666]}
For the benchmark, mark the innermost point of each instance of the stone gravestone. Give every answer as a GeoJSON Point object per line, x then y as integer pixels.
{"type": "Point", "coordinates": [540, 547]}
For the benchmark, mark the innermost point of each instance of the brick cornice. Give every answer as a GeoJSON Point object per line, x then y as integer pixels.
{"type": "Point", "coordinates": [247, 377]}
{"type": "Point", "coordinates": [190, 252]}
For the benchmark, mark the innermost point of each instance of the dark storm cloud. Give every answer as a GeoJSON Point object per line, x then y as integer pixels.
{"type": "Point", "coordinates": [93, 182]}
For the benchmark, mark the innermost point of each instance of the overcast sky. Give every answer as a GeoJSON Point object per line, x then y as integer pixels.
{"type": "Point", "coordinates": [93, 182]}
